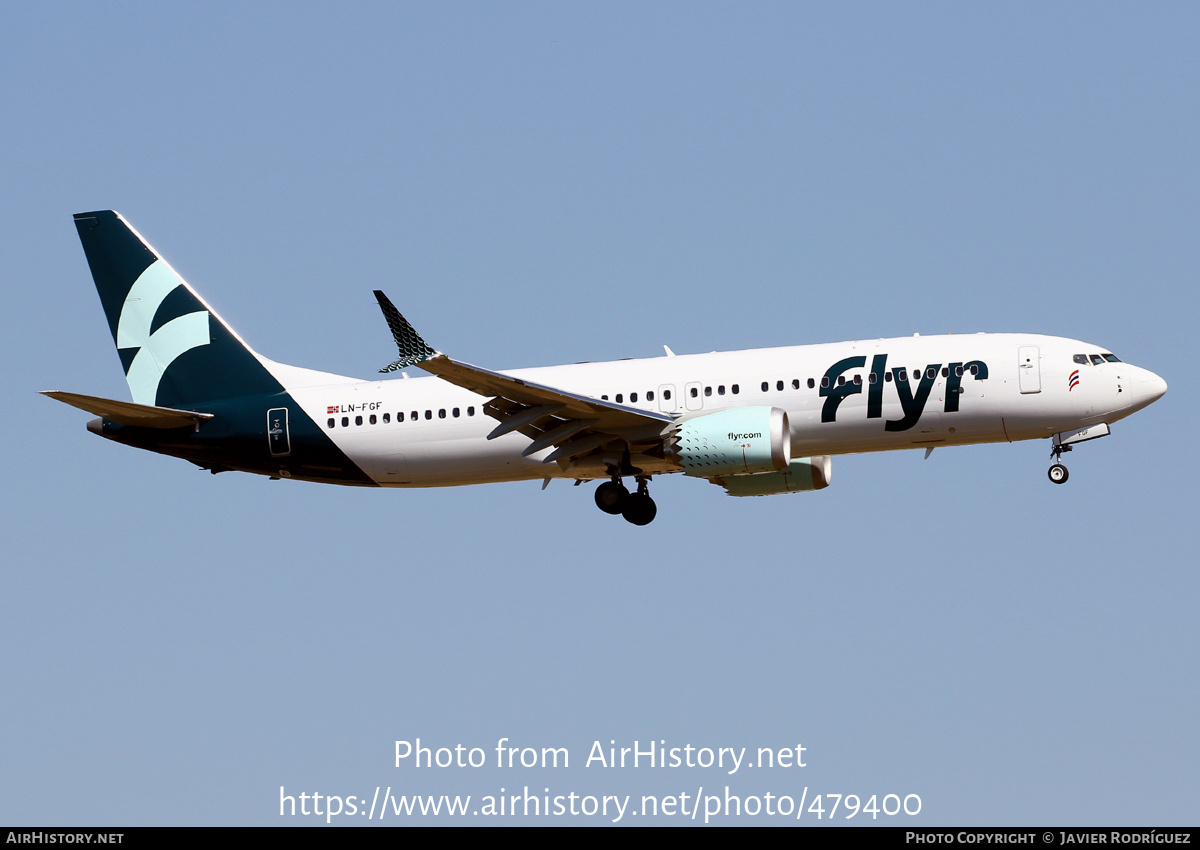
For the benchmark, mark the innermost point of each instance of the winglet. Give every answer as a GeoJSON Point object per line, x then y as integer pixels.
{"type": "Point", "coordinates": [413, 349]}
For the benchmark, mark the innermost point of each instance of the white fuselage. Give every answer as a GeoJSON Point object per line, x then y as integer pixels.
{"type": "Point", "coordinates": [425, 432]}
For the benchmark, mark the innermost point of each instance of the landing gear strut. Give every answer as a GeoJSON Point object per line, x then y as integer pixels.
{"type": "Point", "coordinates": [1057, 472]}
{"type": "Point", "coordinates": [612, 497]}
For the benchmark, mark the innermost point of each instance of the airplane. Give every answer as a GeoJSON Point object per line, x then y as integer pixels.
{"type": "Point", "coordinates": [755, 422]}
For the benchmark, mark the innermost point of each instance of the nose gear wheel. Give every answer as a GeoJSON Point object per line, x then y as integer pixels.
{"type": "Point", "coordinates": [1057, 472]}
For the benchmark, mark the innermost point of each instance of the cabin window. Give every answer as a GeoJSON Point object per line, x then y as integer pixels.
{"type": "Point", "coordinates": [667, 395]}
{"type": "Point", "coordinates": [331, 423]}
{"type": "Point", "coordinates": [387, 417]}
{"type": "Point", "coordinates": [428, 414]}
{"type": "Point", "coordinates": [708, 391]}
{"type": "Point", "coordinates": [604, 398]}
{"type": "Point", "coordinates": [357, 420]}
{"type": "Point", "coordinates": [721, 390]}
{"type": "Point", "coordinates": [974, 370]}
{"type": "Point", "coordinates": [764, 386]}
{"type": "Point", "coordinates": [416, 414]}
{"type": "Point", "coordinates": [887, 377]}
{"type": "Point", "coordinates": [442, 413]}
{"type": "Point", "coordinates": [735, 389]}
{"type": "Point", "coordinates": [958, 372]}
{"type": "Point", "coordinates": [620, 398]}
{"type": "Point", "coordinates": [695, 392]}
{"type": "Point", "coordinates": [903, 376]}
{"type": "Point", "coordinates": [795, 383]}
{"type": "Point", "coordinates": [945, 371]}
{"type": "Point", "coordinates": [471, 411]}
{"type": "Point", "coordinates": [400, 416]}
{"type": "Point", "coordinates": [811, 383]}
{"type": "Point", "coordinates": [779, 386]}
{"type": "Point", "coordinates": [345, 421]}
{"type": "Point", "coordinates": [841, 380]}
{"type": "Point", "coordinates": [825, 382]}
{"type": "Point", "coordinates": [373, 420]}
{"type": "Point", "coordinates": [649, 395]}
{"type": "Point", "coordinates": [633, 398]}
{"type": "Point", "coordinates": [455, 413]}
{"type": "Point", "coordinates": [873, 378]}
{"type": "Point", "coordinates": [858, 380]}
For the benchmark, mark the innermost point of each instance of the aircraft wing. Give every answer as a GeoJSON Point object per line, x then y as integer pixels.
{"type": "Point", "coordinates": [574, 424]}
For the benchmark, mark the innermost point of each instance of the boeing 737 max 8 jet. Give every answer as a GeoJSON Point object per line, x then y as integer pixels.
{"type": "Point", "coordinates": [756, 422]}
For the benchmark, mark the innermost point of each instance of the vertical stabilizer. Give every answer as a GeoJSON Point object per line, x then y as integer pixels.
{"type": "Point", "coordinates": [175, 350]}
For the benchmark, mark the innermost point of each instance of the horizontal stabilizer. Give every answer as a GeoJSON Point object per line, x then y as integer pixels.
{"type": "Point", "coordinates": [128, 413]}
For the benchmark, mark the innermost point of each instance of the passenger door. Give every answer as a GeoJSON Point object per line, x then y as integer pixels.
{"type": "Point", "coordinates": [1029, 369]}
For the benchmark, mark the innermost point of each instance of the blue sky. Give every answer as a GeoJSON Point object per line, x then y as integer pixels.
{"type": "Point", "coordinates": [550, 183]}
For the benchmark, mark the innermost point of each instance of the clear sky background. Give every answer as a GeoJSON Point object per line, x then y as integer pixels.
{"type": "Point", "coordinates": [548, 183]}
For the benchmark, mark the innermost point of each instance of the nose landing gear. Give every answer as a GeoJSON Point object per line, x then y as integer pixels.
{"type": "Point", "coordinates": [1057, 472]}
{"type": "Point", "coordinates": [1062, 442]}
{"type": "Point", "coordinates": [612, 497]}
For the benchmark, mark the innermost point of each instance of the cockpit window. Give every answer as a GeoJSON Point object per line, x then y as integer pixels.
{"type": "Point", "coordinates": [1097, 359]}
{"type": "Point", "coordinates": [1112, 358]}
{"type": "Point", "coordinates": [1080, 358]}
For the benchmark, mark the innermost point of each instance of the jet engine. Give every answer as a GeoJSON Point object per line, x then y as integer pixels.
{"type": "Point", "coordinates": [732, 442]}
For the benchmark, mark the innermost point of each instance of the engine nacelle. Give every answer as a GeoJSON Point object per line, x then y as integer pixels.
{"type": "Point", "coordinates": [806, 473]}
{"type": "Point", "coordinates": [732, 442]}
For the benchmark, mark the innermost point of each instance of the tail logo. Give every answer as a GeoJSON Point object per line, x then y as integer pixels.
{"type": "Point", "coordinates": [157, 350]}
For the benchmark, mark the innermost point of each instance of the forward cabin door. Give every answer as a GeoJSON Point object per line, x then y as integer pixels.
{"type": "Point", "coordinates": [1029, 369]}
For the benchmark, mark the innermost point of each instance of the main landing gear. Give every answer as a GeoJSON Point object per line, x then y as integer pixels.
{"type": "Point", "coordinates": [612, 497]}
{"type": "Point", "coordinates": [1057, 472]}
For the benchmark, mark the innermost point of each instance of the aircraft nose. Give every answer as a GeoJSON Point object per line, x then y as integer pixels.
{"type": "Point", "coordinates": [1148, 387]}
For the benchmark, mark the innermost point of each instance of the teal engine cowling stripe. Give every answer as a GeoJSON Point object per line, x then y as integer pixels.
{"type": "Point", "coordinates": [733, 442]}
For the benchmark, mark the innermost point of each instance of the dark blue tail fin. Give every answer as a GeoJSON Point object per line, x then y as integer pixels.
{"type": "Point", "coordinates": [175, 350]}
